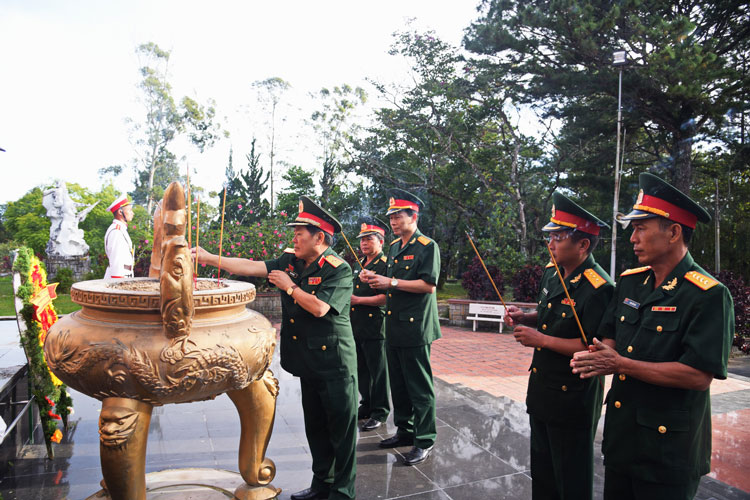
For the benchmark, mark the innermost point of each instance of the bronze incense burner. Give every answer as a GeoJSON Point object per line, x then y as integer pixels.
{"type": "Point", "coordinates": [141, 342]}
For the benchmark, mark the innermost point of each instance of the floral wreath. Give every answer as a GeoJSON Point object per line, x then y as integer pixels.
{"type": "Point", "coordinates": [38, 313]}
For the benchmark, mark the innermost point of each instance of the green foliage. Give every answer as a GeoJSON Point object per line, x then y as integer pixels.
{"type": "Point", "coordinates": [26, 221]}
{"type": "Point", "coordinates": [64, 279]}
{"type": "Point", "coordinates": [245, 191]}
{"type": "Point", "coordinates": [299, 182]}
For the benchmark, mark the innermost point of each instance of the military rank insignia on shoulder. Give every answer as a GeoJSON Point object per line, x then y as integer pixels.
{"type": "Point", "coordinates": [424, 240]}
{"type": "Point", "coordinates": [594, 278]}
{"type": "Point", "coordinates": [384, 259]}
{"type": "Point", "coordinates": [289, 250]}
{"type": "Point", "coordinates": [334, 261]}
{"type": "Point", "coordinates": [549, 264]}
{"type": "Point", "coordinates": [635, 270]}
{"type": "Point", "coordinates": [395, 241]}
{"type": "Point", "coordinates": [700, 280]}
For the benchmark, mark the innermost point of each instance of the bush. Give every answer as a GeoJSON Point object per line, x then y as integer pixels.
{"type": "Point", "coordinates": [6, 258]}
{"type": "Point", "coordinates": [64, 279]}
{"type": "Point", "coordinates": [526, 283]}
{"type": "Point", "coordinates": [476, 283]}
{"type": "Point", "coordinates": [741, 297]}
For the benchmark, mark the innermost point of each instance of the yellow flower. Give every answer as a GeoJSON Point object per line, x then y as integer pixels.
{"type": "Point", "coordinates": [57, 436]}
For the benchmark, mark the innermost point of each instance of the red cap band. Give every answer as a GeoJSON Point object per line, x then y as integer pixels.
{"type": "Point", "coordinates": [575, 222]}
{"type": "Point", "coordinates": [366, 228]}
{"type": "Point", "coordinates": [315, 221]}
{"type": "Point", "coordinates": [119, 206]}
{"type": "Point", "coordinates": [403, 205]}
{"type": "Point", "coordinates": [668, 210]}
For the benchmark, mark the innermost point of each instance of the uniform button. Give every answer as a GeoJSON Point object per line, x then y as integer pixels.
{"type": "Point", "coordinates": [291, 320]}
{"type": "Point", "coordinates": [544, 326]}
{"type": "Point", "coordinates": [322, 348]}
{"type": "Point", "coordinates": [538, 348]}
{"type": "Point", "coordinates": [352, 308]}
{"type": "Point", "coordinates": [370, 315]}
{"type": "Point", "coordinates": [411, 320]}
{"type": "Point", "coordinates": [534, 369]}
{"type": "Point", "coordinates": [549, 306]}
{"type": "Point", "coordinates": [563, 315]}
{"type": "Point", "coordinates": [622, 318]}
{"type": "Point", "coordinates": [564, 388]}
{"type": "Point", "coordinates": [630, 348]}
{"type": "Point", "coordinates": [390, 295]}
{"type": "Point", "coordinates": [294, 337]}
{"type": "Point", "coordinates": [313, 292]}
{"type": "Point", "coordinates": [389, 313]}
{"type": "Point", "coordinates": [357, 286]}
{"type": "Point", "coordinates": [617, 404]}
{"type": "Point", "coordinates": [622, 376]}
{"type": "Point", "coordinates": [662, 429]}
{"type": "Point", "coordinates": [407, 267]}
{"type": "Point", "coordinates": [396, 261]}
{"type": "Point", "coordinates": [540, 302]}
{"type": "Point", "coordinates": [659, 328]}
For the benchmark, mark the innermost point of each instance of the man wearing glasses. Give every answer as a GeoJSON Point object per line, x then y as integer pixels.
{"type": "Point", "coordinates": [563, 408]}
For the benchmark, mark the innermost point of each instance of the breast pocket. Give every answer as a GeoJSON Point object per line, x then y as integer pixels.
{"type": "Point", "coordinates": [660, 333]}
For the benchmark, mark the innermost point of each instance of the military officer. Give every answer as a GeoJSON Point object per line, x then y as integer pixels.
{"type": "Point", "coordinates": [368, 312]}
{"type": "Point", "coordinates": [117, 244]}
{"type": "Point", "coordinates": [563, 409]}
{"type": "Point", "coordinates": [668, 332]}
{"type": "Point", "coordinates": [317, 344]}
{"type": "Point", "coordinates": [411, 326]}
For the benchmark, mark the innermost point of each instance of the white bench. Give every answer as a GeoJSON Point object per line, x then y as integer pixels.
{"type": "Point", "coordinates": [486, 312]}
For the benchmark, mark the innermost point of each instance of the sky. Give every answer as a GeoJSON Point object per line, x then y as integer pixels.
{"type": "Point", "coordinates": [69, 74]}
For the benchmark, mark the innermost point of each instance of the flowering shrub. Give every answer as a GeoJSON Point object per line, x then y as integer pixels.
{"type": "Point", "coordinates": [476, 283]}
{"type": "Point", "coordinates": [526, 283]}
{"type": "Point", "coordinates": [741, 297]}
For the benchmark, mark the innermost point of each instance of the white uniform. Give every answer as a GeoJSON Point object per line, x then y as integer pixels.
{"type": "Point", "coordinates": [119, 250]}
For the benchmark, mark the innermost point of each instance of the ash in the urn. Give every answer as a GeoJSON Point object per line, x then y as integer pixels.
{"type": "Point", "coordinates": [153, 285]}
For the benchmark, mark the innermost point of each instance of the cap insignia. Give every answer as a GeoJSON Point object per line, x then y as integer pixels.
{"type": "Point", "coordinates": [363, 227]}
{"type": "Point", "coordinates": [301, 206]}
{"type": "Point", "coordinates": [392, 201]}
{"type": "Point", "coordinates": [640, 197]}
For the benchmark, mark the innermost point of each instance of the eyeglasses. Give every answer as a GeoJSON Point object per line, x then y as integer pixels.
{"type": "Point", "coordinates": [559, 236]}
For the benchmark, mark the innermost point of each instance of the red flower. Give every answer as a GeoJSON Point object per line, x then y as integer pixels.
{"type": "Point", "coordinates": [54, 415]}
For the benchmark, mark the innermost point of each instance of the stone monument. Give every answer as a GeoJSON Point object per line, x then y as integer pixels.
{"type": "Point", "coordinates": [66, 246]}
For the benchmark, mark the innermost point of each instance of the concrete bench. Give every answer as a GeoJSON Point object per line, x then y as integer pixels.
{"type": "Point", "coordinates": [486, 312]}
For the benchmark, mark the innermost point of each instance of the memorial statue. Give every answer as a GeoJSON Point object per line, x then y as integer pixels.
{"type": "Point", "coordinates": [65, 239]}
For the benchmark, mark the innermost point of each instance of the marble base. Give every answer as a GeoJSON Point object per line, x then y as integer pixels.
{"type": "Point", "coordinates": [199, 484]}
{"type": "Point", "coordinates": [80, 265]}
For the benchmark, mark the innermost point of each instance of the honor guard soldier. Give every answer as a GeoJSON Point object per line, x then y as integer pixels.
{"type": "Point", "coordinates": [317, 344]}
{"type": "Point", "coordinates": [117, 242]}
{"type": "Point", "coordinates": [668, 332]}
{"type": "Point", "coordinates": [367, 314]}
{"type": "Point", "coordinates": [411, 326]}
{"type": "Point", "coordinates": [563, 409]}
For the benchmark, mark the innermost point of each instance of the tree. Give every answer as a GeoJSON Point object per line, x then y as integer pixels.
{"type": "Point", "coordinates": [300, 182]}
{"type": "Point", "coordinates": [271, 91]}
{"type": "Point", "coordinates": [245, 191]}
{"type": "Point", "coordinates": [682, 81]}
{"type": "Point", "coordinates": [156, 165]}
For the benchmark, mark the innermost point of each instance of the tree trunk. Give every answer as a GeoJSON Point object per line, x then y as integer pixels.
{"type": "Point", "coordinates": [682, 171]}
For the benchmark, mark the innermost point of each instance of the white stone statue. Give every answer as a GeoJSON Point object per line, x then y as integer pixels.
{"type": "Point", "coordinates": [65, 239]}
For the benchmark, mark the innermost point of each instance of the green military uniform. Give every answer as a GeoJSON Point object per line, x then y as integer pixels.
{"type": "Point", "coordinates": [412, 325]}
{"type": "Point", "coordinates": [657, 440]}
{"type": "Point", "coordinates": [321, 352]}
{"type": "Point", "coordinates": [369, 336]}
{"type": "Point", "coordinates": [564, 409]}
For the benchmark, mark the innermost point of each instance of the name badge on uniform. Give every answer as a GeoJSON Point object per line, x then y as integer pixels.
{"type": "Point", "coordinates": [290, 271]}
{"type": "Point", "coordinates": [632, 303]}
{"type": "Point", "coordinates": [664, 309]}
{"type": "Point", "coordinates": [314, 280]}
{"type": "Point", "coordinates": [544, 291]}
{"type": "Point", "coordinates": [408, 257]}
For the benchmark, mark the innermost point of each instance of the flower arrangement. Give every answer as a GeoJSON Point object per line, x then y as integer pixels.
{"type": "Point", "coordinates": [38, 313]}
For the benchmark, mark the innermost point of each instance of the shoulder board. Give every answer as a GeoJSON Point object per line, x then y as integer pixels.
{"type": "Point", "coordinates": [549, 264]}
{"type": "Point", "coordinates": [384, 258]}
{"type": "Point", "coordinates": [289, 250]}
{"type": "Point", "coordinates": [334, 261]}
{"type": "Point", "coordinates": [700, 280]}
{"type": "Point", "coordinates": [424, 240]}
{"type": "Point", "coordinates": [635, 270]}
{"type": "Point", "coordinates": [594, 278]}
{"type": "Point", "coordinates": [395, 241]}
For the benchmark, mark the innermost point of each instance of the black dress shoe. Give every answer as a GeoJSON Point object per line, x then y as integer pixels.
{"type": "Point", "coordinates": [397, 440]}
{"type": "Point", "coordinates": [309, 494]}
{"type": "Point", "coordinates": [416, 455]}
{"type": "Point", "coordinates": [371, 425]}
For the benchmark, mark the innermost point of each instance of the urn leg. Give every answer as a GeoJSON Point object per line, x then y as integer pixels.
{"type": "Point", "coordinates": [123, 434]}
{"type": "Point", "coordinates": [256, 405]}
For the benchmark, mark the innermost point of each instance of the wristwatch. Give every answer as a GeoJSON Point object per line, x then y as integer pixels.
{"type": "Point", "coordinates": [290, 290]}
{"type": "Point", "coordinates": [394, 283]}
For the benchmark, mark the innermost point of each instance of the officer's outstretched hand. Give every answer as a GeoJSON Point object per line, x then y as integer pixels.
{"type": "Point", "coordinates": [600, 359]}
{"type": "Point", "coordinates": [515, 316]}
{"type": "Point", "coordinates": [529, 337]}
{"type": "Point", "coordinates": [202, 254]}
